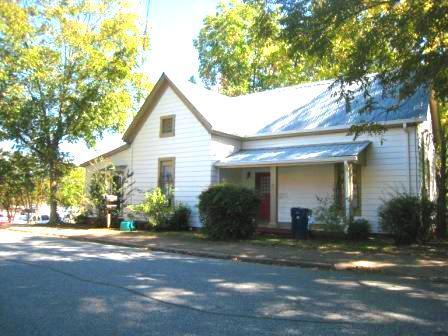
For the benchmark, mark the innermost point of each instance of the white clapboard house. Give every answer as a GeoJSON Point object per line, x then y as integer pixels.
{"type": "Point", "coordinates": [290, 144]}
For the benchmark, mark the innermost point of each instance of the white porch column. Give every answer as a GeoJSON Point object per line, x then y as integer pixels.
{"type": "Point", "coordinates": [273, 197]}
{"type": "Point", "coordinates": [348, 189]}
{"type": "Point", "coordinates": [218, 175]}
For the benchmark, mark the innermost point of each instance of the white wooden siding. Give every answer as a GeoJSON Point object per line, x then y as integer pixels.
{"type": "Point", "coordinates": [301, 185]}
{"type": "Point", "coordinates": [221, 147]}
{"type": "Point", "coordinates": [190, 146]}
{"type": "Point", "coordinates": [386, 170]}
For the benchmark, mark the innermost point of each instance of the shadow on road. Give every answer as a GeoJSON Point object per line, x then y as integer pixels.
{"type": "Point", "coordinates": [125, 290]}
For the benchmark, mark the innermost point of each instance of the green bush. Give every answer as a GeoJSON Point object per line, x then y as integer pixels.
{"type": "Point", "coordinates": [156, 207]}
{"type": "Point", "coordinates": [358, 229]}
{"type": "Point", "coordinates": [408, 218]}
{"type": "Point", "coordinates": [179, 218]}
{"type": "Point", "coordinates": [161, 213]}
{"type": "Point", "coordinates": [329, 215]}
{"type": "Point", "coordinates": [81, 219]}
{"type": "Point", "coordinates": [229, 211]}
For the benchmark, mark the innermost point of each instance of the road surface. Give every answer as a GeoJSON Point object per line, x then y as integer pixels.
{"type": "Point", "coordinates": [53, 286]}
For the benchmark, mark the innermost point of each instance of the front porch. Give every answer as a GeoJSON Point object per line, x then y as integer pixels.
{"type": "Point", "coordinates": [296, 177]}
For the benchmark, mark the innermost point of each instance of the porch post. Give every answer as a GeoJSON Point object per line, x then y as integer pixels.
{"type": "Point", "coordinates": [218, 175]}
{"type": "Point", "coordinates": [348, 189]}
{"type": "Point", "coordinates": [273, 197]}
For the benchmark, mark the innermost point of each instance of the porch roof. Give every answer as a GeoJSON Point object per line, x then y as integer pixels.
{"type": "Point", "coordinates": [334, 152]}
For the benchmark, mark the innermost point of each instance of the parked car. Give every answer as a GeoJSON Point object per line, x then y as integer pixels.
{"type": "Point", "coordinates": [3, 219]}
{"type": "Point", "coordinates": [40, 219]}
{"type": "Point", "coordinates": [32, 219]}
{"type": "Point", "coordinates": [21, 219]}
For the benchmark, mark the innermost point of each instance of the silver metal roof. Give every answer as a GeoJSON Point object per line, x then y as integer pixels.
{"type": "Point", "coordinates": [328, 110]}
{"type": "Point", "coordinates": [335, 152]}
{"type": "Point", "coordinates": [307, 106]}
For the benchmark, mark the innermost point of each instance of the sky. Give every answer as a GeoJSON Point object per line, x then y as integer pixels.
{"type": "Point", "coordinates": [172, 26]}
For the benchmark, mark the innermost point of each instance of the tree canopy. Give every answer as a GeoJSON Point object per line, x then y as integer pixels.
{"type": "Point", "coordinates": [69, 71]}
{"type": "Point", "coordinates": [241, 51]}
{"type": "Point", "coordinates": [72, 188]}
{"type": "Point", "coordinates": [403, 43]}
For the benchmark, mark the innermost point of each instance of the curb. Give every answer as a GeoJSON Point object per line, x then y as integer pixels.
{"type": "Point", "coordinates": [236, 258]}
{"type": "Point", "coordinates": [265, 261]}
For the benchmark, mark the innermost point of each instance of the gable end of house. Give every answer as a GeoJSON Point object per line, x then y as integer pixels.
{"type": "Point", "coordinates": [150, 103]}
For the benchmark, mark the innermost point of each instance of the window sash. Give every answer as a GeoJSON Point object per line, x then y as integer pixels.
{"type": "Point", "coordinates": [167, 126]}
{"type": "Point", "coordinates": [166, 173]}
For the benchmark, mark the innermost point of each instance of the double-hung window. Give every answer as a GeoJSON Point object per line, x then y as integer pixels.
{"type": "Point", "coordinates": [166, 174]}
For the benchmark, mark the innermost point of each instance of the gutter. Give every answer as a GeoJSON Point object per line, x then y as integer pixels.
{"type": "Point", "coordinates": [334, 129]}
{"type": "Point", "coordinates": [286, 162]}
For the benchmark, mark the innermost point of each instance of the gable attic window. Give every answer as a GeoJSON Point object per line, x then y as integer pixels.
{"type": "Point", "coordinates": [167, 126]}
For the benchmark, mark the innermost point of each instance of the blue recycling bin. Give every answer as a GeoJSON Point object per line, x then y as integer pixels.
{"type": "Point", "coordinates": [299, 222]}
{"type": "Point", "coordinates": [127, 225]}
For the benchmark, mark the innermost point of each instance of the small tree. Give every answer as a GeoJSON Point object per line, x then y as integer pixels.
{"type": "Point", "coordinates": [100, 185]}
{"type": "Point", "coordinates": [110, 181]}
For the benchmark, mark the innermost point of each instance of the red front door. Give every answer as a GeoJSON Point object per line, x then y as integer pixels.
{"type": "Point", "coordinates": [263, 186]}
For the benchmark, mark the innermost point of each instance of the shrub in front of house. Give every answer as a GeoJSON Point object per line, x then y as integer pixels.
{"type": "Point", "coordinates": [155, 207]}
{"type": "Point", "coordinates": [229, 212]}
{"type": "Point", "coordinates": [407, 218]}
{"type": "Point", "coordinates": [329, 215]}
{"type": "Point", "coordinates": [179, 218]}
{"type": "Point", "coordinates": [358, 229]}
{"type": "Point", "coordinates": [161, 213]}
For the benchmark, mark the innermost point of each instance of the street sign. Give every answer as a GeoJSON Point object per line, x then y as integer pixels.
{"type": "Point", "coordinates": [111, 206]}
{"type": "Point", "coordinates": [111, 198]}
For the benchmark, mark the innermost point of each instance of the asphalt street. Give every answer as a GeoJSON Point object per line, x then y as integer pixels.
{"type": "Point", "coordinates": [55, 286]}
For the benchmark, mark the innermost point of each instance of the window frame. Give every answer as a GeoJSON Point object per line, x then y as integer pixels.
{"type": "Point", "coordinates": [163, 134]}
{"type": "Point", "coordinates": [159, 171]}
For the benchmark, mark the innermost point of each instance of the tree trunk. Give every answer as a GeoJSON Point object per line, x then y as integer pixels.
{"type": "Point", "coordinates": [442, 189]}
{"type": "Point", "coordinates": [54, 178]}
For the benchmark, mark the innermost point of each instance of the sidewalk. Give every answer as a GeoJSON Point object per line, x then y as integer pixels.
{"type": "Point", "coordinates": [431, 267]}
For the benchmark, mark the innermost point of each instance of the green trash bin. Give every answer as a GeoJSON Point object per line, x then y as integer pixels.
{"type": "Point", "coordinates": [127, 225]}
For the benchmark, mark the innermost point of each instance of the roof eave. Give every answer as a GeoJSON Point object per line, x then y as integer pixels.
{"type": "Point", "coordinates": [326, 130]}
{"type": "Point", "coordinates": [228, 135]}
{"type": "Point", "coordinates": [105, 155]}
{"type": "Point", "coordinates": [352, 158]}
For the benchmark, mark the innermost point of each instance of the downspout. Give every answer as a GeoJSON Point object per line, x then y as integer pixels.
{"type": "Point", "coordinates": [416, 156]}
{"type": "Point", "coordinates": [408, 146]}
{"type": "Point", "coordinates": [132, 172]}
